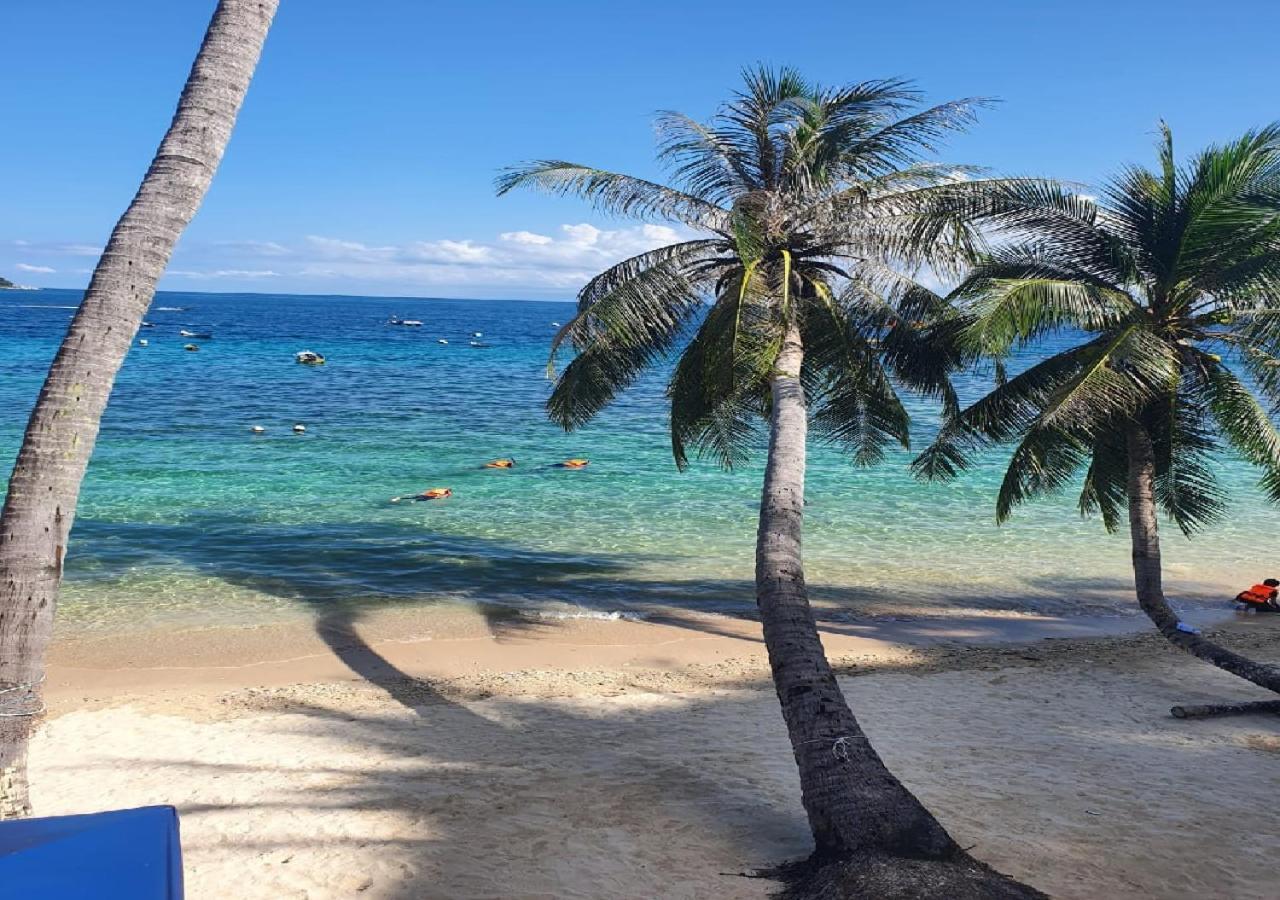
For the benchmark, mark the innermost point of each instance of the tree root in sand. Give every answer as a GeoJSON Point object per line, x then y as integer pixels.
{"type": "Point", "coordinates": [870, 876]}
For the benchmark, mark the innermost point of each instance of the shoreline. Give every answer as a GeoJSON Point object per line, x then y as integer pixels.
{"type": "Point", "coordinates": [484, 647]}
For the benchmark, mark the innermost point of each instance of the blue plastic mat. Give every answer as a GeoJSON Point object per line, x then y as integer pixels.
{"type": "Point", "coordinates": [127, 853]}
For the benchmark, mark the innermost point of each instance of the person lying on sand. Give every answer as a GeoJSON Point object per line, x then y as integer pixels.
{"type": "Point", "coordinates": [428, 494]}
{"type": "Point", "coordinates": [1263, 597]}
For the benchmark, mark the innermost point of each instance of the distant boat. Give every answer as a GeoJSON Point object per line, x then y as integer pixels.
{"type": "Point", "coordinates": [190, 347]}
{"type": "Point", "coordinates": [148, 325]}
{"type": "Point", "coordinates": [441, 341]}
{"type": "Point", "coordinates": [479, 344]}
{"type": "Point", "coordinates": [555, 324]}
{"type": "Point", "coordinates": [195, 334]}
{"type": "Point", "coordinates": [309, 358]}
{"type": "Point", "coordinates": [172, 308]}
{"type": "Point", "coordinates": [411, 323]}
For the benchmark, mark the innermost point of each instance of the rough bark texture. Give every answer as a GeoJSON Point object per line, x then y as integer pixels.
{"type": "Point", "coordinates": [41, 501]}
{"type": "Point", "coordinates": [857, 809]}
{"type": "Point", "coordinates": [1145, 535]}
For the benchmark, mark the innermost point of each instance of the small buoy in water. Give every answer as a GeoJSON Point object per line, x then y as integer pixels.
{"type": "Point", "coordinates": [257, 429]}
{"type": "Point", "coordinates": [441, 341]}
{"type": "Point", "coordinates": [190, 347]}
{"type": "Point", "coordinates": [142, 343]}
{"type": "Point", "coordinates": [299, 428]}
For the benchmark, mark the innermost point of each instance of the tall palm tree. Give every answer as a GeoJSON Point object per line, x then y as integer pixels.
{"type": "Point", "coordinates": [1169, 286]}
{"type": "Point", "coordinates": [804, 199]}
{"type": "Point", "coordinates": [41, 501]}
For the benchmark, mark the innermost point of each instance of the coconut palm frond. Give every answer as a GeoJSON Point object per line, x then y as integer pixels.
{"type": "Point", "coordinates": [855, 403]}
{"type": "Point", "coordinates": [639, 297]}
{"type": "Point", "coordinates": [1243, 422]}
{"type": "Point", "coordinates": [1182, 437]}
{"type": "Point", "coordinates": [620, 334]}
{"type": "Point", "coordinates": [613, 193]}
{"type": "Point", "coordinates": [711, 163]}
{"type": "Point", "coordinates": [1043, 463]}
{"type": "Point", "coordinates": [1016, 296]}
{"type": "Point", "coordinates": [1105, 491]}
{"type": "Point", "coordinates": [717, 389]}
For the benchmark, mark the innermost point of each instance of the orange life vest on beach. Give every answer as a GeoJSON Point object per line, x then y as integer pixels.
{"type": "Point", "coordinates": [1258, 594]}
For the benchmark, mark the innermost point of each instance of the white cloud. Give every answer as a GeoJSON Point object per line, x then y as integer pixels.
{"type": "Point", "coordinates": [524, 237]}
{"type": "Point", "coordinates": [44, 270]}
{"type": "Point", "coordinates": [225, 273]}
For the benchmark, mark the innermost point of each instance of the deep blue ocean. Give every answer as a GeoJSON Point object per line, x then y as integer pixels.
{"type": "Point", "coordinates": [188, 518]}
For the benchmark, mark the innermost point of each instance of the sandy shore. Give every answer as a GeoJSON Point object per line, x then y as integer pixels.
{"type": "Point", "coordinates": [394, 757]}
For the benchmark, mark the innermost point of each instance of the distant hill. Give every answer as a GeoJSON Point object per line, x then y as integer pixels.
{"type": "Point", "coordinates": [6, 283]}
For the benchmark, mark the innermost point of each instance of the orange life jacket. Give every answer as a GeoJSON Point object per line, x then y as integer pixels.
{"type": "Point", "coordinates": [1259, 593]}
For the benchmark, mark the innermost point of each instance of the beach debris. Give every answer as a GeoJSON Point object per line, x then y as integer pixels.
{"type": "Point", "coordinates": [309, 358]}
{"type": "Point", "coordinates": [257, 429]}
{"type": "Point", "coordinates": [299, 428]}
{"type": "Point", "coordinates": [437, 493]}
{"type": "Point", "coordinates": [191, 348]}
{"type": "Point", "coordinates": [1200, 711]}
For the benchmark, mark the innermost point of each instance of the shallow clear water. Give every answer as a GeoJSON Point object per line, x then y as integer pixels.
{"type": "Point", "coordinates": [187, 517]}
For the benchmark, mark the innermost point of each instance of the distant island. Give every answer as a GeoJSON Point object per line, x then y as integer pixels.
{"type": "Point", "coordinates": [6, 283]}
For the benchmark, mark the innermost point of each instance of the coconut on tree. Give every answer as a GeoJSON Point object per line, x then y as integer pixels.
{"type": "Point", "coordinates": [40, 505]}
{"type": "Point", "coordinates": [1167, 289]}
{"type": "Point", "coordinates": [792, 307]}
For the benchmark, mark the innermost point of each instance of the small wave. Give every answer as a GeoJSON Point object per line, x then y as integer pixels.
{"type": "Point", "coordinates": [172, 308]}
{"type": "Point", "coordinates": [599, 614]}
{"type": "Point", "coordinates": [43, 306]}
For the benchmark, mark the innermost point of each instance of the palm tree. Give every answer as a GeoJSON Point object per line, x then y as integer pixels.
{"type": "Point", "coordinates": [803, 199]}
{"type": "Point", "coordinates": [1169, 287]}
{"type": "Point", "coordinates": [41, 501]}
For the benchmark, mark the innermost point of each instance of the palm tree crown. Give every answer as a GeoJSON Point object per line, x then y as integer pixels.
{"type": "Point", "coordinates": [1172, 282]}
{"type": "Point", "coordinates": [808, 201]}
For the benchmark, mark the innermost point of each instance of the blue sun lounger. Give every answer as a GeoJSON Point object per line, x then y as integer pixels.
{"type": "Point", "coordinates": [126, 854]}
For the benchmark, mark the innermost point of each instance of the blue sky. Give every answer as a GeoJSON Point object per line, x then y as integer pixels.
{"type": "Point", "coordinates": [363, 160]}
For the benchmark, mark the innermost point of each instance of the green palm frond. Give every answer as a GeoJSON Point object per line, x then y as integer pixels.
{"type": "Point", "coordinates": [1016, 296]}
{"type": "Point", "coordinates": [718, 387]}
{"type": "Point", "coordinates": [1105, 490]}
{"type": "Point", "coordinates": [1243, 422]}
{"type": "Point", "coordinates": [613, 193]}
{"type": "Point", "coordinates": [856, 405]}
{"type": "Point", "coordinates": [1043, 462]}
{"type": "Point", "coordinates": [623, 331]}
{"type": "Point", "coordinates": [1182, 437]}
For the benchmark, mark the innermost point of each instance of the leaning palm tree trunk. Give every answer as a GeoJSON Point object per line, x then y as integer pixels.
{"type": "Point", "coordinates": [41, 501]}
{"type": "Point", "coordinates": [1144, 532]}
{"type": "Point", "coordinates": [853, 802]}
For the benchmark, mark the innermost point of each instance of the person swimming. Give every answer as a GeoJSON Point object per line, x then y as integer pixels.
{"type": "Point", "coordinates": [573, 464]}
{"type": "Point", "coordinates": [428, 494]}
{"type": "Point", "coordinates": [1263, 597]}
{"type": "Point", "coordinates": [507, 462]}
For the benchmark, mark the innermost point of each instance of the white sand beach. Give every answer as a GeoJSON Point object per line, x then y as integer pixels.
{"type": "Point", "coordinates": [639, 760]}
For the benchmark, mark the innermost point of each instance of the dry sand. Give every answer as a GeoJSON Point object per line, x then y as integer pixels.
{"type": "Point", "coordinates": [588, 759]}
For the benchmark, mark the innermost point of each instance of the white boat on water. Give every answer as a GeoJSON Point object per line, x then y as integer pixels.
{"type": "Point", "coordinates": [195, 334]}
{"type": "Point", "coordinates": [411, 323]}
{"type": "Point", "coordinates": [309, 358]}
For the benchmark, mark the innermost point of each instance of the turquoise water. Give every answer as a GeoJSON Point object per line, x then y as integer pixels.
{"type": "Point", "coordinates": [188, 518]}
